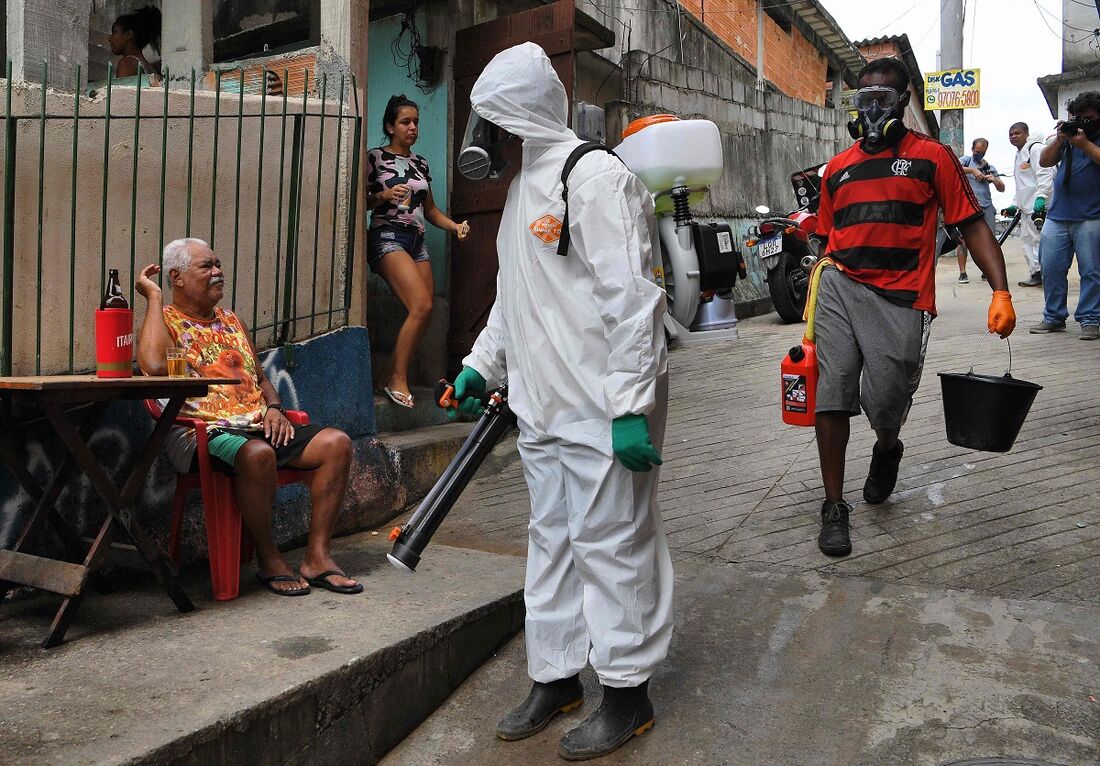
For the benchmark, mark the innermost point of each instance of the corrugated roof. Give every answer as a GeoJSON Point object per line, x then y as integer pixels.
{"type": "Point", "coordinates": [819, 20]}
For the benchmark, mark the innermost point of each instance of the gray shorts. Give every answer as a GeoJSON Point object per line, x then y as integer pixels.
{"type": "Point", "coordinates": [870, 352]}
{"type": "Point", "coordinates": [989, 213]}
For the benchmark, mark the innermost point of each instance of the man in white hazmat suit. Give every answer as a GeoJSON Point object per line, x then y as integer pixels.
{"type": "Point", "coordinates": [580, 341]}
{"type": "Point", "coordinates": [1033, 187]}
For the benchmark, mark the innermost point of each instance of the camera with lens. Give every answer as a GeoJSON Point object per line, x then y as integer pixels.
{"type": "Point", "coordinates": [1070, 127]}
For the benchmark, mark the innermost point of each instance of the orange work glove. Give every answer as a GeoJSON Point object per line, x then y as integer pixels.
{"type": "Point", "coordinates": [1002, 317]}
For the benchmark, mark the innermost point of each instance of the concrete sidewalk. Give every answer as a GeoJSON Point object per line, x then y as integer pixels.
{"type": "Point", "coordinates": [264, 679]}
{"type": "Point", "coordinates": [964, 624]}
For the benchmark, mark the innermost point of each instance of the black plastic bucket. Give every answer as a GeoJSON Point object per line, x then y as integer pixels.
{"type": "Point", "coordinates": [985, 412]}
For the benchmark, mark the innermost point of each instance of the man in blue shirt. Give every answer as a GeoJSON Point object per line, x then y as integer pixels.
{"type": "Point", "coordinates": [1073, 220]}
{"type": "Point", "coordinates": [980, 174]}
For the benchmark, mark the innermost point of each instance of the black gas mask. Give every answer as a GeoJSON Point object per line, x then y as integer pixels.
{"type": "Point", "coordinates": [481, 155]}
{"type": "Point", "coordinates": [878, 121]}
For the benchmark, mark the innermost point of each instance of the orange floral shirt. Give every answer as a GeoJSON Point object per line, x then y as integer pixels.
{"type": "Point", "coordinates": [219, 348]}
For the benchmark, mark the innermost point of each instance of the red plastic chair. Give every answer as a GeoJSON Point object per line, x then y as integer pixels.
{"type": "Point", "coordinates": [226, 539]}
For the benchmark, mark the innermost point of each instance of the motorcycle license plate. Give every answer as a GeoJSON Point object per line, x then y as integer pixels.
{"type": "Point", "coordinates": [771, 246]}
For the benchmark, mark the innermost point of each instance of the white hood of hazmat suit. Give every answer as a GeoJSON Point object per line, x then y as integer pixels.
{"type": "Point", "coordinates": [580, 341]}
{"type": "Point", "coordinates": [584, 333]}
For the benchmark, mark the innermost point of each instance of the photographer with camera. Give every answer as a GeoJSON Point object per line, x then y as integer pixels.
{"type": "Point", "coordinates": [980, 174]}
{"type": "Point", "coordinates": [1073, 220]}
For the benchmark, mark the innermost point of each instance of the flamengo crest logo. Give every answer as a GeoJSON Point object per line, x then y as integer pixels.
{"type": "Point", "coordinates": [901, 167]}
{"type": "Point", "coordinates": [547, 228]}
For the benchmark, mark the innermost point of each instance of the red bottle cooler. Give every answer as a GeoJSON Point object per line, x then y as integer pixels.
{"type": "Point", "coordinates": [114, 343]}
{"type": "Point", "coordinates": [799, 376]}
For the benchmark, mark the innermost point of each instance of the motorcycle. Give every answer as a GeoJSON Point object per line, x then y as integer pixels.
{"type": "Point", "coordinates": [789, 246]}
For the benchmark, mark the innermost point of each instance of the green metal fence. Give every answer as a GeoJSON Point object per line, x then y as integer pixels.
{"type": "Point", "coordinates": [269, 181]}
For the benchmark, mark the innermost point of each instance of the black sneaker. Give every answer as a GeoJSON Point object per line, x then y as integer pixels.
{"type": "Point", "coordinates": [883, 476]}
{"type": "Point", "coordinates": [1035, 280]}
{"type": "Point", "coordinates": [834, 540]}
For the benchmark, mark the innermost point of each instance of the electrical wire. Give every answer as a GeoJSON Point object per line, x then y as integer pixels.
{"type": "Point", "coordinates": [1065, 24]}
{"type": "Point", "coordinates": [410, 56]}
{"type": "Point", "coordinates": [935, 23]}
{"type": "Point", "coordinates": [912, 8]}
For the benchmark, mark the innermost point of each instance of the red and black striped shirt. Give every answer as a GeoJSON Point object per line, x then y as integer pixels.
{"type": "Point", "coordinates": [879, 213]}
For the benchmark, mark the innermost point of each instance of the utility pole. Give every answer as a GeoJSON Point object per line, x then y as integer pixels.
{"type": "Point", "coordinates": [951, 57]}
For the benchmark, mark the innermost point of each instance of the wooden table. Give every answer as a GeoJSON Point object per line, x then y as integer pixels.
{"type": "Point", "coordinates": [53, 395]}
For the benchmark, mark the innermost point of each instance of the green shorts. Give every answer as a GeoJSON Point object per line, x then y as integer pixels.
{"type": "Point", "coordinates": [224, 442]}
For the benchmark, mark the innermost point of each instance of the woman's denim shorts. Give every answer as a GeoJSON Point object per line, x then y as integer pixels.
{"type": "Point", "coordinates": [388, 239]}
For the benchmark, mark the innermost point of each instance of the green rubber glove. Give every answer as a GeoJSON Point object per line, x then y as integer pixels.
{"type": "Point", "coordinates": [1009, 211]}
{"type": "Point", "coordinates": [469, 386]}
{"type": "Point", "coordinates": [1040, 205]}
{"type": "Point", "coordinates": [631, 445]}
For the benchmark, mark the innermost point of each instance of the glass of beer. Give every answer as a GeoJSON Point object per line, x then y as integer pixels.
{"type": "Point", "coordinates": [177, 362]}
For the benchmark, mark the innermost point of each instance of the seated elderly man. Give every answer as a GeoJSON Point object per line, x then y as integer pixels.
{"type": "Point", "coordinates": [249, 435]}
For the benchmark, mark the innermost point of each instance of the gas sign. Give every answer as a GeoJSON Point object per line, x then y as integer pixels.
{"type": "Point", "coordinates": [953, 89]}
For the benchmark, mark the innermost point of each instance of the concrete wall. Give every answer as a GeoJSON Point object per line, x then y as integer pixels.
{"type": "Point", "coordinates": [1079, 46]}
{"type": "Point", "coordinates": [56, 32]}
{"type": "Point", "coordinates": [337, 361]}
{"type": "Point", "coordinates": [213, 215]}
{"type": "Point", "coordinates": [791, 61]}
{"type": "Point", "coordinates": [1070, 91]}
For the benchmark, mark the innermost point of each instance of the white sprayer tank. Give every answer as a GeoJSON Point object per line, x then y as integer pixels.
{"type": "Point", "coordinates": [671, 152]}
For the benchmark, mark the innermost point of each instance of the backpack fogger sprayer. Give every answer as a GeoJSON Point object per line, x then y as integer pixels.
{"type": "Point", "coordinates": [410, 539]}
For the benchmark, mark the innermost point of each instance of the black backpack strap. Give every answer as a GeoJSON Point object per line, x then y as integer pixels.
{"type": "Point", "coordinates": [570, 163]}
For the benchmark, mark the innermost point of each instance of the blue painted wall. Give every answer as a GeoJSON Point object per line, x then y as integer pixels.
{"type": "Point", "coordinates": [385, 79]}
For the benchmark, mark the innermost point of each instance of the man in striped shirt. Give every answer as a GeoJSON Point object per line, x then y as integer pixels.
{"type": "Point", "coordinates": [879, 204]}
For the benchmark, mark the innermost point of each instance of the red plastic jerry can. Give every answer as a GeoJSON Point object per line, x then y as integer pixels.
{"type": "Point", "coordinates": [799, 381]}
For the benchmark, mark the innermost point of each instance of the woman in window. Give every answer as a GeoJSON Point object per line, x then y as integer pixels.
{"type": "Point", "coordinates": [130, 35]}
{"type": "Point", "coordinates": [400, 198]}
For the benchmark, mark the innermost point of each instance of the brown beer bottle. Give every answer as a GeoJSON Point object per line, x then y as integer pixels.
{"type": "Point", "coordinates": [113, 298]}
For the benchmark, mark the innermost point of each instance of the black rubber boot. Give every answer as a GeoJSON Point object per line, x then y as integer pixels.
{"type": "Point", "coordinates": [543, 703]}
{"type": "Point", "coordinates": [834, 540]}
{"type": "Point", "coordinates": [883, 475]}
{"type": "Point", "coordinates": [624, 713]}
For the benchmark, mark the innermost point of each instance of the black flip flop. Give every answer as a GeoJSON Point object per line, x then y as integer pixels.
{"type": "Point", "coordinates": [320, 582]}
{"type": "Point", "coordinates": [266, 580]}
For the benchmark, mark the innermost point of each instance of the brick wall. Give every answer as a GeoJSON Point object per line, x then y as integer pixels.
{"type": "Point", "coordinates": [790, 60]}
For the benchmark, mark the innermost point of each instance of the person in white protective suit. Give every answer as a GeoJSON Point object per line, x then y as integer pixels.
{"type": "Point", "coordinates": [1033, 188]}
{"type": "Point", "coordinates": [580, 341]}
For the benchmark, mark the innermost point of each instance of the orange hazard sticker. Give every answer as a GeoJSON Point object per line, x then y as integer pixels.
{"type": "Point", "coordinates": [547, 228]}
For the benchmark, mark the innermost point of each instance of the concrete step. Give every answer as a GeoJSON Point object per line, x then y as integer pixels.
{"type": "Point", "coordinates": [264, 679]}
{"type": "Point", "coordinates": [390, 416]}
{"type": "Point", "coordinates": [419, 457]}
